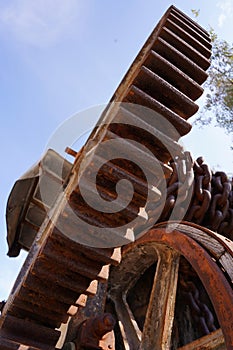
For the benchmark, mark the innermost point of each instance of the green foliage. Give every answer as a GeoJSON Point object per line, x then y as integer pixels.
{"type": "Point", "coordinates": [195, 13]}
{"type": "Point", "coordinates": [218, 105]}
{"type": "Point", "coordinates": [219, 99]}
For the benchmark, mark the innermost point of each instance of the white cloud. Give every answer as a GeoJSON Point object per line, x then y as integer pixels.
{"type": "Point", "coordinates": [40, 22]}
{"type": "Point", "coordinates": [226, 11]}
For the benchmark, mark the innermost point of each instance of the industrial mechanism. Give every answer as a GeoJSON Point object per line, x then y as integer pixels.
{"type": "Point", "coordinates": [157, 271]}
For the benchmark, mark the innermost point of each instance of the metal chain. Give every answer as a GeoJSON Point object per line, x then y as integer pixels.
{"type": "Point", "coordinates": [212, 199]}
{"type": "Point", "coordinates": [179, 185]}
{"type": "Point", "coordinates": [200, 311]}
{"type": "Point", "coordinates": [202, 192]}
{"type": "Point", "coordinates": [220, 205]}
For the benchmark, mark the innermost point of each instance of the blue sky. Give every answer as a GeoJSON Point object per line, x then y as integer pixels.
{"type": "Point", "coordinates": [60, 57]}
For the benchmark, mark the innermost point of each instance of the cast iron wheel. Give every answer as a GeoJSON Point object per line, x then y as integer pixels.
{"type": "Point", "coordinates": [162, 268]}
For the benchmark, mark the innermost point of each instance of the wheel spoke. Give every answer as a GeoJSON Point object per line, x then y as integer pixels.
{"type": "Point", "coordinates": [130, 332]}
{"type": "Point", "coordinates": [212, 341]}
{"type": "Point", "coordinates": [160, 313]}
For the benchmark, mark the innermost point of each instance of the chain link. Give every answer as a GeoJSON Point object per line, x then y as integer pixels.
{"type": "Point", "coordinates": [212, 199]}
{"type": "Point", "coordinates": [200, 311]}
{"type": "Point", "coordinates": [202, 192]}
{"type": "Point", "coordinates": [179, 186]}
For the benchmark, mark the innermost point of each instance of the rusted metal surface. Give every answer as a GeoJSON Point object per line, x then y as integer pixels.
{"type": "Point", "coordinates": [28, 333]}
{"type": "Point", "coordinates": [26, 210]}
{"type": "Point", "coordinates": [93, 330]}
{"type": "Point", "coordinates": [137, 321]}
{"type": "Point", "coordinates": [165, 77]}
{"type": "Point", "coordinates": [7, 344]}
{"type": "Point", "coordinates": [54, 279]}
{"type": "Point", "coordinates": [212, 201]}
{"type": "Point", "coordinates": [167, 67]}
